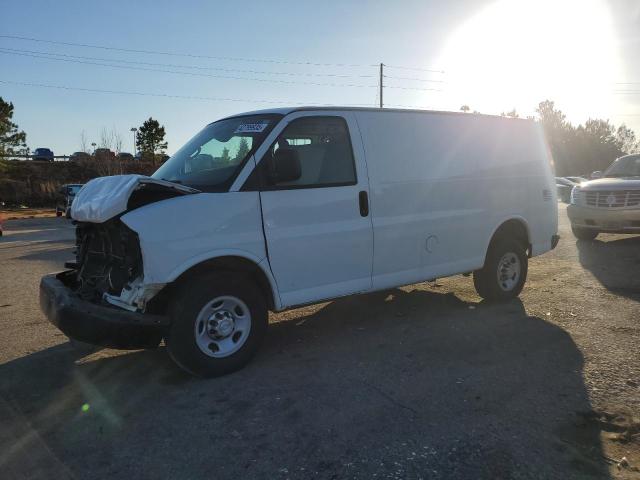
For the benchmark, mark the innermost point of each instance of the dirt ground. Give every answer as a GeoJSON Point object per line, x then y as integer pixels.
{"type": "Point", "coordinates": [425, 381]}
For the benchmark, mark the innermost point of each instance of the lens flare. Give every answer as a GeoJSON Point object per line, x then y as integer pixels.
{"type": "Point", "coordinates": [516, 53]}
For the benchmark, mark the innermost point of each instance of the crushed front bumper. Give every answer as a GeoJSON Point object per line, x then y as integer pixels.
{"type": "Point", "coordinates": [97, 324]}
{"type": "Point", "coordinates": [612, 220]}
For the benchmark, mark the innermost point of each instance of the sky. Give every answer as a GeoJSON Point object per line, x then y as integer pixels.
{"type": "Point", "coordinates": [493, 55]}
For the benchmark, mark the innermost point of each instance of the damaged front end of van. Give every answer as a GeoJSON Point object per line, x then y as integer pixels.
{"type": "Point", "coordinates": [102, 297]}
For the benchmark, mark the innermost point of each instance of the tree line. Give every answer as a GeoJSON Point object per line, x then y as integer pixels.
{"type": "Point", "coordinates": [577, 150]}
{"type": "Point", "coordinates": [150, 137]}
{"type": "Point", "coordinates": [582, 149]}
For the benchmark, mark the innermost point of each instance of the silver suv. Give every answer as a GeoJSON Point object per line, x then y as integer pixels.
{"type": "Point", "coordinates": [610, 203]}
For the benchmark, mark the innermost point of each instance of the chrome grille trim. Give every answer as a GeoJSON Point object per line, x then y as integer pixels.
{"type": "Point", "coordinates": [611, 198]}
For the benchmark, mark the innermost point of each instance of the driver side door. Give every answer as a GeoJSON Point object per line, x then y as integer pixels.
{"type": "Point", "coordinates": [318, 228]}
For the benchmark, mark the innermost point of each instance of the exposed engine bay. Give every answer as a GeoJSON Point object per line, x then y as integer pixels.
{"type": "Point", "coordinates": [108, 258]}
{"type": "Point", "coordinates": [108, 265]}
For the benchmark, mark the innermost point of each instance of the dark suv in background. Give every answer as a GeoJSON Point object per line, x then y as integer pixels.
{"type": "Point", "coordinates": [43, 155]}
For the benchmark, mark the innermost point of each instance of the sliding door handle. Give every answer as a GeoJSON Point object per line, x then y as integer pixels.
{"type": "Point", "coordinates": [364, 203]}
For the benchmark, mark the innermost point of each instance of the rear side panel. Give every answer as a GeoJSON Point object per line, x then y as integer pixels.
{"type": "Point", "coordinates": [441, 184]}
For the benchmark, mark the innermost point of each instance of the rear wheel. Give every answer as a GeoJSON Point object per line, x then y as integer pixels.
{"type": "Point", "coordinates": [218, 321]}
{"type": "Point", "coordinates": [582, 233]}
{"type": "Point", "coordinates": [504, 272]}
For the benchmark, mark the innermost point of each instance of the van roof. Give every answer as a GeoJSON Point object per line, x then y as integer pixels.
{"type": "Point", "coordinates": [288, 110]}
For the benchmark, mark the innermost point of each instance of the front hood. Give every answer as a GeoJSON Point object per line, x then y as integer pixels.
{"type": "Point", "coordinates": [623, 183]}
{"type": "Point", "coordinates": [105, 197]}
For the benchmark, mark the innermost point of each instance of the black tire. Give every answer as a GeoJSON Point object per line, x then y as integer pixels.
{"type": "Point", "coordinates": [190, 298]}
{"type": "Point", "coordinates": [486, 279]}
{"type": "Point", "coordinates": [584, 233]}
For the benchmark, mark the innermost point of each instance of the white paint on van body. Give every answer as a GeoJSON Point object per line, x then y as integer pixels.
{"type": "Point", "coordinates": [319, 245]}
{"type": "Point", "coordinates": [179, 233]}
{"type": "Point", "coordinates": [455, 177]}
{"type": "Point", "coordinates": [439, 185]}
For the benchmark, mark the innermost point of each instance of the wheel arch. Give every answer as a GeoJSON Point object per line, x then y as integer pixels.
{"type": "Point", "coordinates": [513, 227]}
{"type": "Point", "coordinates": [256, 270]}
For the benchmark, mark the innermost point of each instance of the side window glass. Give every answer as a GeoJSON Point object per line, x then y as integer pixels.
{"type": "Point", "coordinates": [311, 152]}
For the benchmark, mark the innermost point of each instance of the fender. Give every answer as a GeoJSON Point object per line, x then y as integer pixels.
{"type": "Point", "coordinates": [261, 263]}
{"type": "Point", "coordinates": [499, 224]}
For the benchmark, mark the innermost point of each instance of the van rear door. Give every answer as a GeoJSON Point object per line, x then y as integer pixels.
{"type": "Point", "coordinates": [318, 229]}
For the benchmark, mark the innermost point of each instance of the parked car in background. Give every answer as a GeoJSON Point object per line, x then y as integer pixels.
{"type": "Point", "coordinates": [104, 154]}
{"type": "Point", "coordinates": [564, 187]}
{"type": "Point", "coordinates": [43, 155]}
{"type": "Point", "coordinates": [610, 203]}
{"type": "Point", "coordinates": [124, 156]}
{"type": "Point", "coordinates": [78, 156]}
{"type": "Point", "coordinates": [198, 253]}
{"type": "Point", "coordinates": [68, 193]}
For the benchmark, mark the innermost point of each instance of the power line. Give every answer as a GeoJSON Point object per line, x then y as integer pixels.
{"type": "Point", "coordinates": [184, 54]}
{"type": "Point", "coordinates": [418, 69]}
{"type": "Point", "coordinates": [196, 67]}
{"type": "Point", "coordinates": [193, 74]}
{"type": "Point", "coordinates": [415, 79]}
{"type": "Point", "coordinates": [414, 88]}
{"type": "Point", "coordinates": [165, 95]}
{"type": "Point", "coordinates": [216, 99]}
{"type": "Point", "coordinates": [211, 57]}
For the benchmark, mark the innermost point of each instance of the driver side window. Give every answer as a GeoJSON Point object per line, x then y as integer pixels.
{"type": "Point", "coordinates": [322, 147]}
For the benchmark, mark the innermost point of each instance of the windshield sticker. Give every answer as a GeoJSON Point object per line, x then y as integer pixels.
{"type": "Point", "coordinates": [251, 127]}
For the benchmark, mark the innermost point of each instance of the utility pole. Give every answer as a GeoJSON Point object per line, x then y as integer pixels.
{"type": "Point", "coordinates": [381, 86]}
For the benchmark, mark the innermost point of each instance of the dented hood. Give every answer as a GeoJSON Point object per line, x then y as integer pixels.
{"type": "Point", "coordinates": [105, 197]}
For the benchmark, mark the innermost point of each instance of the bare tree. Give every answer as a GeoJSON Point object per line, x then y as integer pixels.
{"type": "Point", "coordinates": [84, 142]}
{"type": "Point", "coordinates": [106, 162]}
{"type": "Point", "coordinates": [117, 141]}
{"type": "Point", "coordinates": [106, 138]}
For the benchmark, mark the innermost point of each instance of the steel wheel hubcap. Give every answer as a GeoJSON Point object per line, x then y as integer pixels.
{"type": "Point", "coordinates": [508, 271]}
{"type": "Point", "coordinates": [222, 326]}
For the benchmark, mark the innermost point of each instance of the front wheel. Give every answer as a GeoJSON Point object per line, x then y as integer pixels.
{"type": "Point", "coordinates": [582, 233]}
{"type": "Point", "coordinates": [504, 272]}
{"type": "Point", "coordinates": [218, 321]}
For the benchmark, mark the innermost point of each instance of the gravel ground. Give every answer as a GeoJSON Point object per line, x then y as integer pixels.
{"type": "Point", "coordinates": [425, 381]}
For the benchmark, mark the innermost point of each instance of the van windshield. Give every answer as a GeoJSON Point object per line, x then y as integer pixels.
{"type": "Point", "coordinates": [211, 160]}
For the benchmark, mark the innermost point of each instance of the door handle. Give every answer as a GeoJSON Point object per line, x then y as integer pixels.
{"type": "Point", "coordinates": [364, 203]}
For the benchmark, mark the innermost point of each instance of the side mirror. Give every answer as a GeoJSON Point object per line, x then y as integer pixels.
{"type": "Point", "coordinates": [596, 174]}
{"type": "Point", "coordinates": [285, 166]}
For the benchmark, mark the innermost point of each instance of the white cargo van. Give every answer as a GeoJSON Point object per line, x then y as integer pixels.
{"type": "Point", "coordinates": [280, 208]}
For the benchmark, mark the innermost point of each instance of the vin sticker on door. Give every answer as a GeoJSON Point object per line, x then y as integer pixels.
{"type": "Point", "coordinates": [251, 127]}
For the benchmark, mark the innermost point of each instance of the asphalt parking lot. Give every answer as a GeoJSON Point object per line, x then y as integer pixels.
{"type": "Point", "coordinates": [420, 382]}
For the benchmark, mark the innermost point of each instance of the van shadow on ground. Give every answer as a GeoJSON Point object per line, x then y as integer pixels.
{"type": "Point", "coordinates": [615, 263]}
{"type": "Point", "coordinates": [402, 384]}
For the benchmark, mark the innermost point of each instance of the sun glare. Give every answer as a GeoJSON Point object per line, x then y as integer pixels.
{"type": "Point", "coordinates": [515, 53]}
